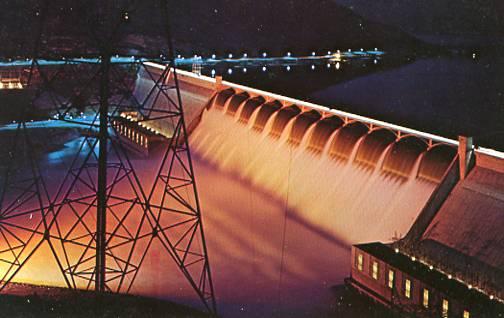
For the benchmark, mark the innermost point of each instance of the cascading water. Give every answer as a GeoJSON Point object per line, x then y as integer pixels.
{"type": "Point", "coordinates": [356, 184]}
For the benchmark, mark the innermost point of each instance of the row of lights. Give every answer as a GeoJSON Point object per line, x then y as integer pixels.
{"type": "Point", "coordinates": [449, 276]}
{"type": "Point", "coordinates": [11, 85]}
{"type": "Point", "coordinates": [141, 124]}
{"type": "Point", "coordinates": [288, 68]}
{"type": "Point", "coordinates": [265, 54]}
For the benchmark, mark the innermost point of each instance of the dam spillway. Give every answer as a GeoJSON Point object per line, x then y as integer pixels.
{"type": "Point", "coordinates": [329, 168]}
{"type": "Point", "coordinates": [337, 177]}
{"type": "Point", "coordinates": [287, 188]}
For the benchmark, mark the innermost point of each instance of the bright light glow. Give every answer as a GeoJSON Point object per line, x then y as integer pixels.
{"type": "Point", "coordinates": [264, 54]}
{"type": "Point", "coordinates": [16, 84]}
{"type": "Point", "coordinates": [407, 288]}
{"type": "Point", "coordinates": [470, 286]}
{"type": "Point", "coordinates": [289, 54]}
{"type": "Point", "coordinates": [431, 267]}
{"type": "Point", "coordinates": [466, 314]}
{"type": "Point", "coordinates": [264, 68]}
{"type": "Point", "coordinates": [245, 55]}
{"type": "Point", "coordinates": [375, 270]}
{"type": "Point", "coordinates": [313, 53]}
{"type": "Point", "coordinates": [328, 65]}
{"type": "Point", "coordinates": [375, 61]}
{"type": "Point", "coordinates": [449, 276]}
{"type": "Point", "coordinates": [349, 50]}
{"type": "Point", "coordinates": [413, 258]}
{"type": "Point", "coordinates": [214, 56]}
{"type": "Point", "coordinates": [230, 55]}
{"type": "Point", "coordinates": [338, 65]}
{"type": "Point", "coordinates": [244, 70]}
{"type": "Point", "coordinates": [426, 298]}
{"type": "Point", "coordinates": [376, 49]}
{"type": "Point", "coordinates": [213, 72]}
{"type": "Point", "coordinates": [391, 275]}
{"type": "Point", "coordinates": [445, 308]}
{"type": "Point", "coordinates": [396, 250]}
{"type": "Point", "coordinates": [288, 68]}
{"type": "Point", "coordinates": [329, 52]}
{"type": "Point", "coordinates": [313, 67]}
{"type": "Point", "coordinates": [360, 262]}
{"type": "Point", "coordinates": [230, 71]}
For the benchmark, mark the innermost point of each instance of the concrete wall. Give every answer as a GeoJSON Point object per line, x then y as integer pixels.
{"type": "Point", "coordinates": [434, 203]}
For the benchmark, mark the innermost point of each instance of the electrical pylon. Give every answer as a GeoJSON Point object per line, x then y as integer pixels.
{"type": "Point", "coordinates": [102, 218]}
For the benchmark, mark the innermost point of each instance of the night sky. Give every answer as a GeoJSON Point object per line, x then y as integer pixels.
{"type": "Point", "coordinates": [220, 25]}
{"type": "Point", "coordinates": [437, 20]}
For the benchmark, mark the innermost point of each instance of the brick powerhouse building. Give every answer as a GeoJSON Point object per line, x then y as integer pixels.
{"type": "Point", "coordinates": [451, 263]}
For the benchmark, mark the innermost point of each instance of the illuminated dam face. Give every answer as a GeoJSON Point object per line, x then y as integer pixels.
{"type": "Point", "coordinates": [285, 190]}
{"type": "Point", "coordinates": [354, 183]}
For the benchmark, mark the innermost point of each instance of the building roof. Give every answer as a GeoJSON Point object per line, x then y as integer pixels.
{"type": "Point", "coordinates": [467, 234]}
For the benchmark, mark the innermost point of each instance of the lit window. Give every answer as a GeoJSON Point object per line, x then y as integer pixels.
{"type": "Point", "coordinates": [466, 314]}
{"type": "Point", "coordinates": [444, 309]}
{"type": "Point", "coordinates": [426, 298]}
{"type": "Point", "coordinates": [407, 288]}
{"type": "Point", "coordinates": [375, 270]}
{"type": "Point", "coordinates": [391, 278]}
{"type": "Point", "coordinates": [360, 262]}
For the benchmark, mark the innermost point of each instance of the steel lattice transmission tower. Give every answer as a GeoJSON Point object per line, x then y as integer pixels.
{"type": "Point", "coordinates": [101, 220]}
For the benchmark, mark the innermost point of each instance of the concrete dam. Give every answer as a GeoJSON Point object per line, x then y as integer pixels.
{"type": "Point", "coordinates": [287, 187]}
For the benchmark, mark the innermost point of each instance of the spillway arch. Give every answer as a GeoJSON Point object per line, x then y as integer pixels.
{"type": "Point", "coordinates": [394, 150]}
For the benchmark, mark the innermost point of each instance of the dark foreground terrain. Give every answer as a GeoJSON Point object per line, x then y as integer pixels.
{"type": "Point", "coordinates": [350, 304]}
{"type": "Point", "coordinates": [27, 301]}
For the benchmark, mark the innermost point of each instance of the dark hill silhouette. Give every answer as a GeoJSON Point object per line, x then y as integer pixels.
{"type": "Point", "coordinates": [202, 26]}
